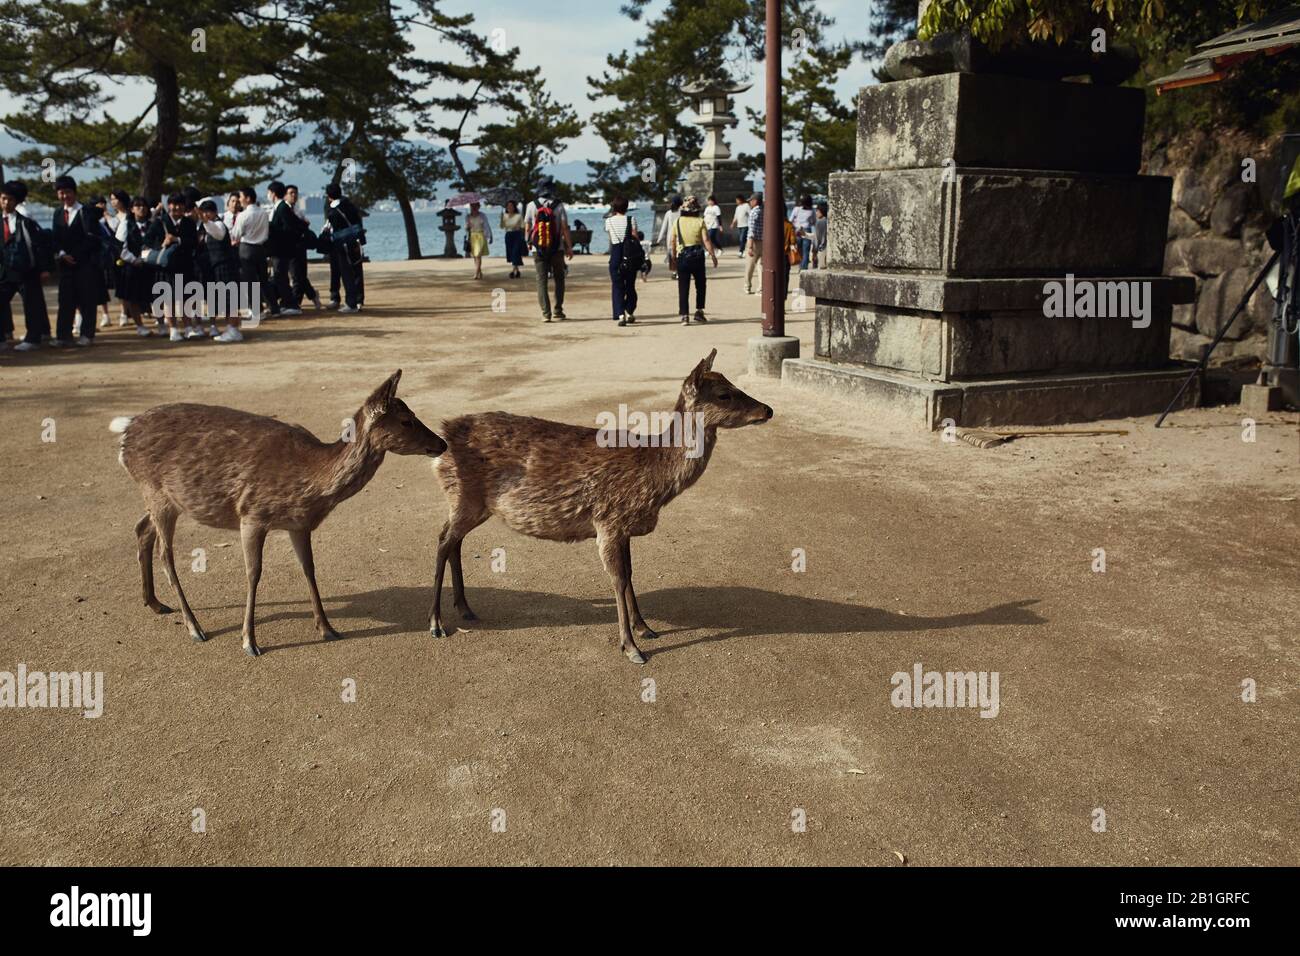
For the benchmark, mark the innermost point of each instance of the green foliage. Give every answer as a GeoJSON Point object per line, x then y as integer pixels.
{"type": "Point", "coordinates": [821, 132]}
{"type": "Point", "coordinates": [58, 59]}
{"type": "Point", "coordinates": [515, 152]}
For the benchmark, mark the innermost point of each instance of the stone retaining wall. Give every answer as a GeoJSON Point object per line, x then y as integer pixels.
{"type": "Point", "coordinates": [1216, 235]}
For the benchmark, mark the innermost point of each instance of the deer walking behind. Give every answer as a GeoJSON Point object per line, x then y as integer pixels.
{"type": "Point", "coordinates": [238, 471]}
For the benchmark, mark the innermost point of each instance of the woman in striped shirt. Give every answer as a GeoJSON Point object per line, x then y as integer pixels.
{"type": "Point", "coordinates": [622, 271]}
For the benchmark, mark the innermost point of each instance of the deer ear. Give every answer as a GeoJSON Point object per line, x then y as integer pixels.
{"type": "Point", "coordinates": [379, 399]}
{"type": "Point", "coordinates": [697, 374]}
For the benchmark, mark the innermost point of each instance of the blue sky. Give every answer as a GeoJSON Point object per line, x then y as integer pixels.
{"type": "Point", "coordinates": [574, 39]}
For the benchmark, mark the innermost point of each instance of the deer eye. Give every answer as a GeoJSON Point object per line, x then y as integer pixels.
{"type": "Point", "coordinates": [724, 396]}
{"type": "Point", "coordinates": [407, 423]}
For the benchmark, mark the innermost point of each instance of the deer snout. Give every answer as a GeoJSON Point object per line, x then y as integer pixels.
{"type": "Point", "coordinates": [761, 414]}
{"type": "Point", "coordinates": [436, 446]}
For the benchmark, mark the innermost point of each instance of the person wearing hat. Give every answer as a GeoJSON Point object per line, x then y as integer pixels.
{"type": "Point", "coordinates": [78, 253]}
{"type": "Point", "coordinates": [687, 244]}
{"type": "Point", "coordinates": [546, 226]}
{"type": "Point", "coordinates": [22, 267]}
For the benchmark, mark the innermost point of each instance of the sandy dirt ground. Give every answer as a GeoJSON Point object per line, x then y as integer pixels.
{"type": "Point", "coordinates": [1119, 691]}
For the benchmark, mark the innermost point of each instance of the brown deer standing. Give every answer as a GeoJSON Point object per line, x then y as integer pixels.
{"type": "Point", "coordinates": [231, 469]}
{"type": "Point", "coordinates": [557, 482]}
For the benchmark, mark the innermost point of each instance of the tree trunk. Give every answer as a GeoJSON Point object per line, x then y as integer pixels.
{"type": "Point", "coordinates": [161, 145]}
{"type": "Point", "coordinates": [408, 219]}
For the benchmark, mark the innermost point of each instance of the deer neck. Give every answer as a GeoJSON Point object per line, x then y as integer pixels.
{"type": "Point", "coordinates": [352, 464]}
{"type": "Point", "coordinates": [684, 456]}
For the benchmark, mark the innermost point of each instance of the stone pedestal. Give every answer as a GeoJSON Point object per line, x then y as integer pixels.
{"type": "Point", "coordinates": [768, 352]}
{"type": "Point", "coordinates": [972, 193]}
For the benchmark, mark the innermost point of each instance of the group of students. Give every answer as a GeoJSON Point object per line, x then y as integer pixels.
{"type": "Point", "coordinates": [127, 246]}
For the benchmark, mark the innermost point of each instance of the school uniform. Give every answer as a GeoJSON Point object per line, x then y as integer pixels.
{"type": "Point", "coordinates": [282, 246]}
{"type": "Point", "coordinates": [301, 283]}
{"type": "Point", "coordinates": [251, 231]}
{"type": "Point", "coordinates": [21, 265]}
{"type": "Point", "coordinates": [346, 257]}
{"type": "Point", "coordinates": [181, 267]}
{"type": "Point", "coordinates": [135, 278]}
{"type": "Point", "coordinates": [81, 282]}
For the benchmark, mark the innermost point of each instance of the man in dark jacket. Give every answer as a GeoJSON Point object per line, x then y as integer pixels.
{"type": "Point", "coordinates": [342, 218]}
{"type": "Point", "coordinates": [24, 262]}
{"type": "Point", "coordinates": [283, 245]}
{"type": "Point", "coordinates": [81, 276]}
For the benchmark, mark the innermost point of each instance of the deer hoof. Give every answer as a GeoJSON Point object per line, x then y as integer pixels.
{"type": "Point", "coordinates": [331, 635]}
{"type": "Point", "coordinates": [437, 630]}
{"type": "Point", "coordinates": [252, 650]}
{"type": "Point", "coordinates": [197, 636]}
{"type": "Point", "coordinates": [648, 634]}
{"type": "Point", "coordinates": [468, 615]}
{"type": "Point", "coordinates": [159, 608]}
{"type": "Point", "coordinates": [634, 655]}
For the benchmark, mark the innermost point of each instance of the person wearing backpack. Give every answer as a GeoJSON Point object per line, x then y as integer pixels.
{"type": "Point", "coordinates": [25, 259]}
{"type": "Point", "coordinates": [546, 224]}
{"type": "Point", "coordinates": [687, 244]}
{"type": "Point", "coordinates": [626, 259]}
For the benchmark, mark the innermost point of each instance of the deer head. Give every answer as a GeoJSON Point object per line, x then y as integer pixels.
{"type": "Point", "coordinates": [391, 426]}
{"type": "Point", "coordinates": [722, 405]}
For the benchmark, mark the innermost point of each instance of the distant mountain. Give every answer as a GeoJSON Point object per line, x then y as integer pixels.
{"type": "Point", "coordinates": [311, 177]}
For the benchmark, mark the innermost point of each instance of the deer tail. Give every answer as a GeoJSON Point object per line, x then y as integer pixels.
{"type": "Point", "coordinates": [118, 425]}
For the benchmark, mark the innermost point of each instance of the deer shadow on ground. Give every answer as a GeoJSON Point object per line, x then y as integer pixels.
{"type": "Point", "coordinates": [716, 613]}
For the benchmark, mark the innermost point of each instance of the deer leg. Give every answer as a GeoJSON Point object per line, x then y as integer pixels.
{"type": "Point", "coordinates": [458, 584]}
{"type": "Point", "coordinates": [440, 565]}
{"type": "Point", "coordinates": [145, 536]}
{"type": "Point", "coordinates": [165, 523]}
{"type": "Point", "coordinates": [252, 536]}
{"type": "Point", "coordinates": [302, 547]}
{"type": "Point", "coordinates": [642, 629]}
{"type": "Point", "coordinates": [612, 554]}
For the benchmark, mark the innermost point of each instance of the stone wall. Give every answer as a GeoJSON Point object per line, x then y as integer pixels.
{"type": "Point", "coordinates": [1216, 235]}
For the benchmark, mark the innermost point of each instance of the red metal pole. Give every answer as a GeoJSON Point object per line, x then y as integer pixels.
{"type": "Point", "coordinates": [773, 188]}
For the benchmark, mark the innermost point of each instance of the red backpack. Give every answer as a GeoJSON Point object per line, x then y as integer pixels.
{"type": "Point", "coordinates": [545, 234]}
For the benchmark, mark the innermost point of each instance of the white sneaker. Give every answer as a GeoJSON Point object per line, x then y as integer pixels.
{"type": "Point", "coordinates": [291, 311]}
{"type": "Point", "coordinates": [143, 332]}
{"type": "Point", "coordinates": [85, 342]}
{"type": "Point", "coordinates": [176, 336]}
{"type": "Point", "coordinates": [348, 310]}
{"type": "Point", "coordinates": [122, 320]}
{"type": "Point", "coordinates": [212, 330]}
{"type": "Point", "coordinates": [26, 347]}
{"type": "Point", "coordinates": [103, 321]}
{"type": "Point", "coordinates": [194, 333]}
{"type": "Point", "coordinates": [231, 334]}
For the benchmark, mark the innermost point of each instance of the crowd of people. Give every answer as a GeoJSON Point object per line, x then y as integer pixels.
{"type": "Point", "coordinates": [146, 253]}
{"type": "Point", "coordinates": [149, 254]}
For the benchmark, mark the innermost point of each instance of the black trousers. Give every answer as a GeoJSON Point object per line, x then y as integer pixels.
{"type": "Point", "coordinates": [337, 260]}
{"type": "Point", "coordinates": [81, 289]}
{"type": "Point", "coordinates": [302, 287]}
{"type": "Point", "coordinates": [34, 312]}
{"type": "Point", "coordinates": [252, 268]}
{"type": "Point", "coordinates": [688, 267]}
{"type": "Point", "coordinates": [282, 276]}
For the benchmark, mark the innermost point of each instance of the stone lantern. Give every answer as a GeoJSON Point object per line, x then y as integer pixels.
{"type": "Point", "coordinates": [714, 172]}
{"type": "Point", "coordinates": [449, 227]}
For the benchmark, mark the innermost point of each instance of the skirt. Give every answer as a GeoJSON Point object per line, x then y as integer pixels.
{"type": "Point", "coordinates": [478, 245]}
{"type": "Point", "coordinates": [515, 247]}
